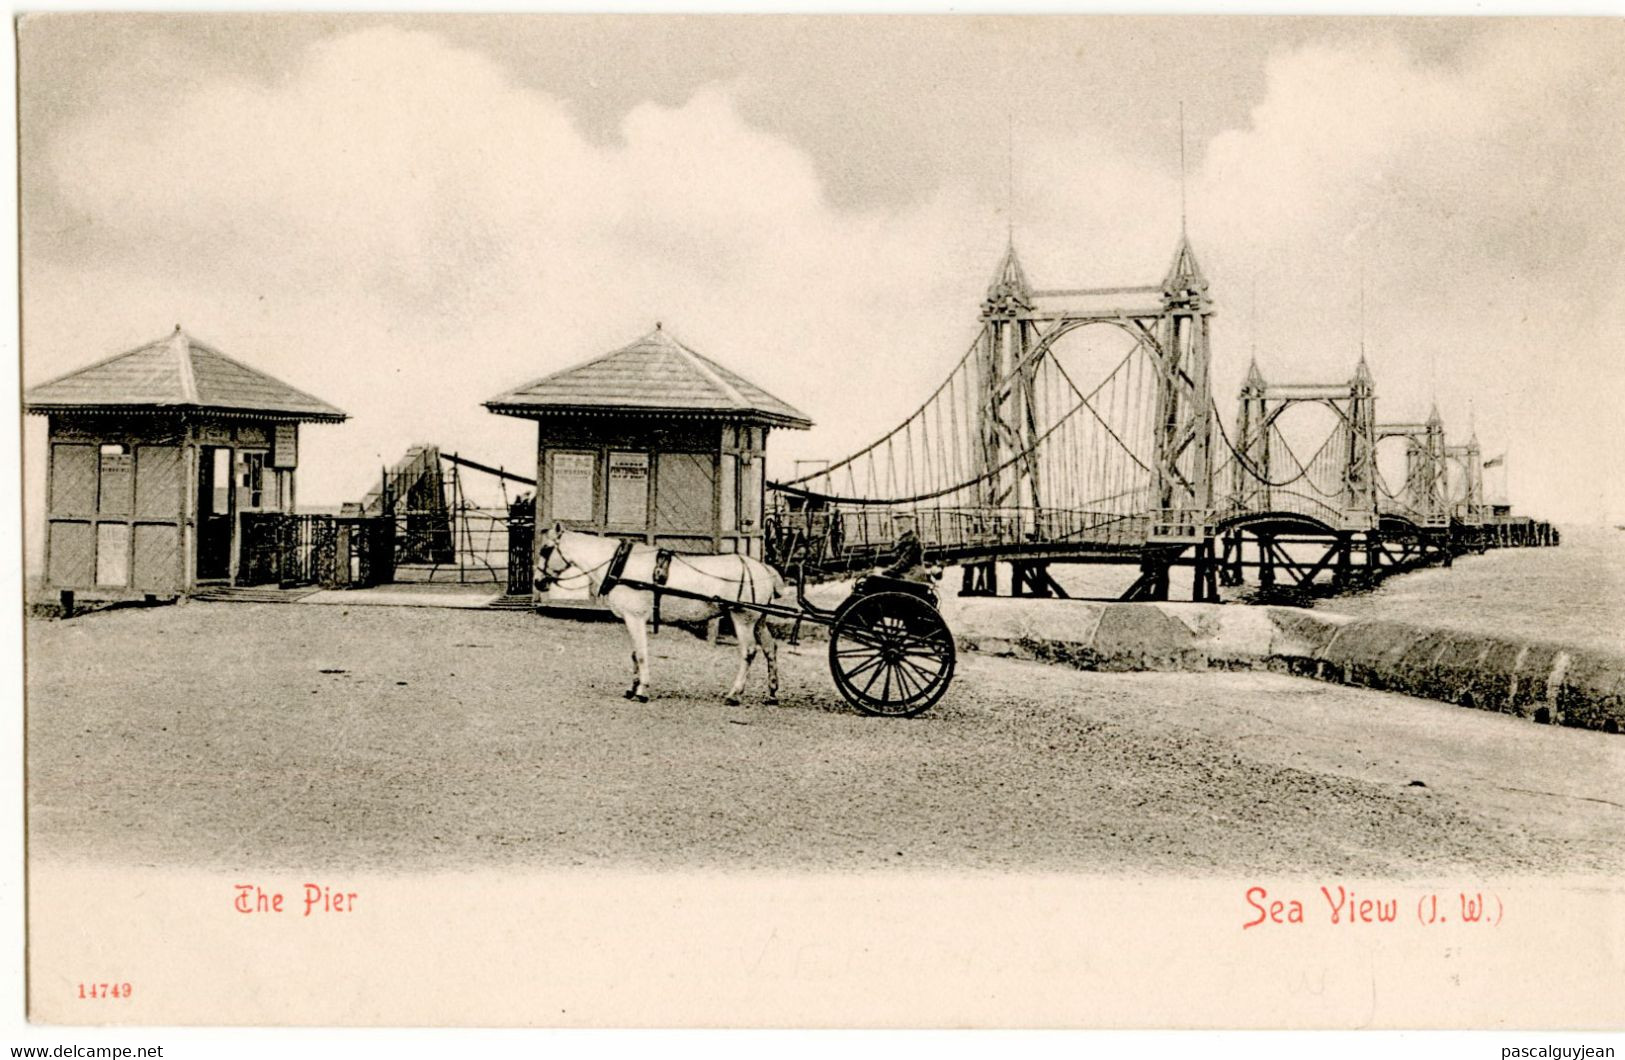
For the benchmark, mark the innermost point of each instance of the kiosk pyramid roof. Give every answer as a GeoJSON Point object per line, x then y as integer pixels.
{"type": "Point", "coordinates": [656, 375]}
{"type": "Point", "coordinates": [180, 373]}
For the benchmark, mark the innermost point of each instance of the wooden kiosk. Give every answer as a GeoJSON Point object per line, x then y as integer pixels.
{"type": "Point", "coordinates": [651, 442]}
{"type": "Point", "coordinates": [155, 456]}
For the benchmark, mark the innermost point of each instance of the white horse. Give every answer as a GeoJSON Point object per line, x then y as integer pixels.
{"type": "Point", "coordinates": [574, 559]}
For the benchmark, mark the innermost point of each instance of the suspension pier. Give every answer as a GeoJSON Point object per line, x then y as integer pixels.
{"type": "Point", "coordinates": [1078, 428]}
{"type": "Point", "coordinates": [980, 579]}
{"type": "Point", "coordinates": [1030, 578]}
{"type": "Point", "coordinates": [1303, 564]}
{"type": "Point", "coordinates": [1157, 563]}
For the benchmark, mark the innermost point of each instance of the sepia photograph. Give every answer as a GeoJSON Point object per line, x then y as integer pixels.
{"type": "Point", "coordinates": [802, 520]}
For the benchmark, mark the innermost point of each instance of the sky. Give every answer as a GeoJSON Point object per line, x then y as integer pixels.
{"type": "Point", "coordinates": [409, 215]}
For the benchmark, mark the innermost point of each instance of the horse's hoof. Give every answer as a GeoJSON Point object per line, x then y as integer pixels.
{"type": "Point", "coordinates": [732, 701]}
{"type": "Point", "coordinates": [628, 694]}
{"type": "Point", "coordinates": [640, 698]}
{"type": "Point", "coordinates": [771, 701]}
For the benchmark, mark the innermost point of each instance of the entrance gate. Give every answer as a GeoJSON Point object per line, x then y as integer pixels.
{"type": "Point", "coordinates": [521, 546]}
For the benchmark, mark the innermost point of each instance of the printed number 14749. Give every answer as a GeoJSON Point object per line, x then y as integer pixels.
{"type": "Point", "coordinates": [97, 991]}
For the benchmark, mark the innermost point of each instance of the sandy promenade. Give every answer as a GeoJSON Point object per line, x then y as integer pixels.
{"type": "Point", "coordinates": [216, 736]}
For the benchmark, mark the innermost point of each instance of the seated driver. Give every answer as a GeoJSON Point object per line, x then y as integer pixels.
{"type": "Point", "coordinates": [909, 558]}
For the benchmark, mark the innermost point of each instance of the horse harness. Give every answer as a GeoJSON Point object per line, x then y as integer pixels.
{"type": "Point", "coordinates": [617, 567]}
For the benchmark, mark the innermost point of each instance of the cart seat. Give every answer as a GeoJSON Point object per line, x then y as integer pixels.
{"type": "Point", "coordinates": [880, 583]}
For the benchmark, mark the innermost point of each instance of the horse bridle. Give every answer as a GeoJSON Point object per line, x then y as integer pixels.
{"type": "Point", "coordinates": [545, 579]}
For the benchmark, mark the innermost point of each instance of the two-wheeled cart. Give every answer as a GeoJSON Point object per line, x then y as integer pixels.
{"type": "Point", "coordinates": [890, 652]}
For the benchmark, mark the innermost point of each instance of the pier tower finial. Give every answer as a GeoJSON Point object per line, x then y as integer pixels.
{"type": "Point", "coordinates": [1009, 290]}
{"type": "Point", "coordinates": [1252, 325]}
{"type": "Point", "coordinates": [1181, 169]}
{"type": "Point", "coordinates": [1010, 178]}
{"type": "Point", "coordinates": [1362, 308]}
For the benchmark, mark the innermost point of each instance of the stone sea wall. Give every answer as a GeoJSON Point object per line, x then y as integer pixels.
{"type": "Point", "coordinates": [1543, 681]}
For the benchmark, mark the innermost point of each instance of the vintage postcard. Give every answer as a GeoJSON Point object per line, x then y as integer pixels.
{"type": "Point", "coordinates": [811, 521]}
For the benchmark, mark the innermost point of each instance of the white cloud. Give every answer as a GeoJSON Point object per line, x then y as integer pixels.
{"type": "Point", "coordinates": [1471, 195]}
{"type": "Point", "coordinates": [399, 227]}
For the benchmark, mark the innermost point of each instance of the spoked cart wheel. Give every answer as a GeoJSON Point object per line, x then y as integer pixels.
{"type": "Point", "coordinates": [891, 654]}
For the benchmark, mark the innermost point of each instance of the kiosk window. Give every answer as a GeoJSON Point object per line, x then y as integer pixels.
{"type": "Point", "coordinates": [254, 480]}
{"type": "Point", "coordinates": [220, 493]}
{"type": "Point", "coordinates": [750, 493]}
